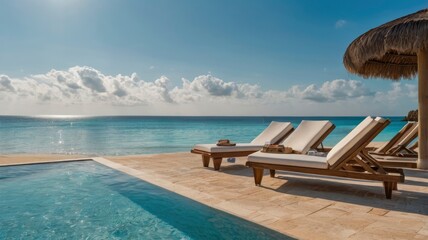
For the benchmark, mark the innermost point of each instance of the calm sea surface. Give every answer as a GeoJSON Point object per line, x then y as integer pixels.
{"type": "Point", "coordinates": [123, 135]}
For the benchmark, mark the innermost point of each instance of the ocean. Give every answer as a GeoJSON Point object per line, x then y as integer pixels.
{"type": "Point", "coordinates": [127, 135]}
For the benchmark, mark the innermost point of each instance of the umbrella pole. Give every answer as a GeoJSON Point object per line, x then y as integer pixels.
{"type": "Point", "coordinates": [423, 108]}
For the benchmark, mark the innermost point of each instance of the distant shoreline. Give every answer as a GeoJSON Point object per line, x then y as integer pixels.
{"type": "Point", "coordinates": [184, 116]}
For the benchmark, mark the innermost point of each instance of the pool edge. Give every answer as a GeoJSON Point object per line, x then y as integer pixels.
{"type": "Point", "coordinates": [45, 162]}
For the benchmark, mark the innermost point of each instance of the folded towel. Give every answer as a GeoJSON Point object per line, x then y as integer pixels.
{"type": "Point", "coordinates": [225, 142]}
{"type": "Point", "coordinates": [314, 152]}
{"type": "Point", "coordinates": [274, 148]}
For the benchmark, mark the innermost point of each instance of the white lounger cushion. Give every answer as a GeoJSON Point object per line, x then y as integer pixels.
{"type": "Point", "coordinates": [348, 142]}
{"type": "Point", "coordinates": [297, 160]}
{"type": "Point", "coordinates": [240, 147]}
{"type": "Point", "coordinates": [273, 133]}
{"type": "Point", "coordinates": [306, 135]}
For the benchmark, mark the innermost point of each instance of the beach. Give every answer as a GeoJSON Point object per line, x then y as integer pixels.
{"type": "Point", "coordinates": [297, 205]}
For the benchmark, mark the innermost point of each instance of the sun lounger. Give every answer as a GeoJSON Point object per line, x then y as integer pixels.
{"type": "Point", "coordinates": [410, 151]}
{"type": "Point", "coordinates": [275, 132]}
{"type": "Point", "coordinates": [401, 160]}
{"type": "Point", "coordinates": [342, 161]}
{"type": "Point", "coordinates": [389, 144]}
{"type": "Point", "coordinates": [399, 142]}
{"type": "Point", "coordinates": [401, 155]}
{"type": "Point", "coordinates": [403, 147]}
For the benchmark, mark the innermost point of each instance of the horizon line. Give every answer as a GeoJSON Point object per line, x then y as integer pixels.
{"type": "Point", "coordinates": [127, 115]}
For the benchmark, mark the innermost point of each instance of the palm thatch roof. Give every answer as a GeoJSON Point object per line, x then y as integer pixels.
{"type": "Point", "coordinates": [389, 51]}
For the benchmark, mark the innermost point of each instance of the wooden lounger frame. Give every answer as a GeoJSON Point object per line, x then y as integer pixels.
{"type": "Point", "coordinates": [401, 162]}
{"type": "Point", "coordinates": [410, 151]}
{"type": "Point", "coordinates": [351, 165]}
{"type": "Point", "coordinates": [392, 150]}
{"type": "Point", "coordinates": [218, 156]}
{"type": "Point", "coordinates": [396, 161]}
{"type": "Point", "coordinates": [395, 139]}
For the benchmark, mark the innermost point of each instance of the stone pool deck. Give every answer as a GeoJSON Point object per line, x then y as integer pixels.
{"type": "Point", "coordinates": [298, 205]}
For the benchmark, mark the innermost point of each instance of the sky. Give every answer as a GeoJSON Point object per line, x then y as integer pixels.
{"type": "Point", "coordinates": [190, 57]}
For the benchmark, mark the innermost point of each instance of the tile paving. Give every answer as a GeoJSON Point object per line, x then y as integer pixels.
{"type": "Point", "coordinates": [298, 205]}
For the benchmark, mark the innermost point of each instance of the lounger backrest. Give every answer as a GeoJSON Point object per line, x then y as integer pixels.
{"type": "Point", "coordinates": [273, 133]}
{"type": "Point", "coordinates": [408, 138]}
{"type": "Point", "coordinates": [348, 143]}
{"type": "Point", "coordinates": [306, 135]}
{"type": "Point", "coordinates": [397, 138]}
{"type": "Point", "coordinates": [382, 123]}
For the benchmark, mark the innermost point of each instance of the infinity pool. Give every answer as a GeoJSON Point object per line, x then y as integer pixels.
{"type": "Point", "coordinates": [87, 200]}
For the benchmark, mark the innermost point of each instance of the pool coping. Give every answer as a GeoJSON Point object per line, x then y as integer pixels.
{"type": "Point", "coordinates": [46, 162]}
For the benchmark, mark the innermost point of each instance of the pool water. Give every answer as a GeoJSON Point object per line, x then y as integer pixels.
{"type": "Point", "coordinates": [87, 200]}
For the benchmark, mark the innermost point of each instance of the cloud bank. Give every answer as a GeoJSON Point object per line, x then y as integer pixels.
{"type": "Point", "coordinates": [86, 86]}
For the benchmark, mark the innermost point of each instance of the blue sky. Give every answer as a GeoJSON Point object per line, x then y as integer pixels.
{"type": "Point", "coordinates": [272, 44]}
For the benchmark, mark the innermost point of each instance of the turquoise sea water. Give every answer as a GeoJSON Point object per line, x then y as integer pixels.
{"type": "Point", "coordinates": [123, 135]}
{"type": "Point", "coordinates": [86, 200]}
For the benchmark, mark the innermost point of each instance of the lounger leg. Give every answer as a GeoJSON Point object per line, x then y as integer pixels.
{"type": "Point", "coordinates": [217, 163]}
{"type": "Point", "coordinates": [394, 186]}
{"type": "Point", "coordinates": [272, 172]}
{"type": "Point", "coordinates": [388, 189]}
{"type": "Point", "coordinates": [206, 160]}
{"type": "Point", "coordinates": [258, 175]}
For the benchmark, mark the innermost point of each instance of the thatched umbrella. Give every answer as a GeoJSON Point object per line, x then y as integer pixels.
{"type": "Point", "coordinates": [397, 50]}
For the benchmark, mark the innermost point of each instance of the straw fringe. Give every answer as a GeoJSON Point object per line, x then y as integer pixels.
{"type": "Point", "coordinates": [389, 51]}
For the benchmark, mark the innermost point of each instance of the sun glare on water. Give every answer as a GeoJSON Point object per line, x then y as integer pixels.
{"type": "Point", "coordinates": [60, 116]}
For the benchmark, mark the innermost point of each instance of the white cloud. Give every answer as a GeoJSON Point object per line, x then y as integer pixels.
{"type": "Point", "coordinates": [340, 23]}
{"type": "Point", "coordinates": [86, 89]}
{"type": "Point", "coordinates": [330, 91]}
{"type": "Point", "coordinates": [338, 89]}
{"type": "Point", "coordinates": [6, 84]}
{"type": "Point", "coordinates": [398, 91]}
{"type": "Point", "coordinates": [210, 87]}
{"type": "Point", "coordinates": [90, 78]}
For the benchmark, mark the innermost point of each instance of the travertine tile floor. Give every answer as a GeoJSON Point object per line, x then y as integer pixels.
{"type": "Point", "coordinates": [298, 205]}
